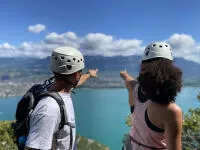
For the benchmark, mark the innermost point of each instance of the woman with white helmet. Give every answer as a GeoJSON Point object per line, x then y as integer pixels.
{"type": "Point", "coordinates": [66, 64]}
{"type": "Point", "coordinates": [157, 120]}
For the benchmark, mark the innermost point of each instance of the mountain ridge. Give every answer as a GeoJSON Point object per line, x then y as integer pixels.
{"type": "Point", "coordinates": [35, 66]}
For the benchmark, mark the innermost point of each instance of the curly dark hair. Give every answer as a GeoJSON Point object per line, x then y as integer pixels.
{"type": "Point", "coordinates": [160, 79]}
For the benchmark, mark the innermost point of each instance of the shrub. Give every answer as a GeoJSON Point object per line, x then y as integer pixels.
{"type": "Point", "coordinates": [6, 139]}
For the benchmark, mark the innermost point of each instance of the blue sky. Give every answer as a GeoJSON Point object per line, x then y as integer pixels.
{"type": "Point", "coordinates": [106, 27]}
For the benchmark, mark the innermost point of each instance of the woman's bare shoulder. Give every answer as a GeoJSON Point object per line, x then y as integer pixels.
{"type": "Point", "coordinates": [173, 108]}
{"type": "Point", "coordinates": [172, 113]}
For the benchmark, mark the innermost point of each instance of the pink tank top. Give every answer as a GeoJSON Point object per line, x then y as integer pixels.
{"type": "Point", "coordinates": [140, 131]}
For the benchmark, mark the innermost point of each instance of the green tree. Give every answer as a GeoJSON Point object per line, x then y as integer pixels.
{"type": "Point", "coordinates": [6, 138]}
{"type": "Point", "coordinates": [191, 129]}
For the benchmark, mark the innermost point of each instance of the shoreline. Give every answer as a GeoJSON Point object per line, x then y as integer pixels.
{"type": "Point", "coordinates": [9, 91]}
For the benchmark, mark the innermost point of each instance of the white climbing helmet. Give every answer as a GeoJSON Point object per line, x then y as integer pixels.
{"type": "Point", "coordinates": [66, 60]}
{"type": "Point", "coordinates": [157, 49]}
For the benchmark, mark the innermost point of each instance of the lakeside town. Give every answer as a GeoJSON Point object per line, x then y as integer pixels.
{"type": "Point", "coordinates": [12, 88]}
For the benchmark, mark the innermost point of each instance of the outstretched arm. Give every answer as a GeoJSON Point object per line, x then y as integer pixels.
{"type": "Point", "coordinates": [85, 77]}
{"type": "Point", "coordinates": [130, 82]}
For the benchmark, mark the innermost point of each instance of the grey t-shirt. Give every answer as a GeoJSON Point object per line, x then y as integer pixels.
{"type": "Point", "coordinates": [44, 123]}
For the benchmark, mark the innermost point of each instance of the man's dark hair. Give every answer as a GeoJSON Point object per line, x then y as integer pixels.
{"type": "Point", "coordinates": [160, 79]}
{"type": "Point", "coordinates": [59, 76]}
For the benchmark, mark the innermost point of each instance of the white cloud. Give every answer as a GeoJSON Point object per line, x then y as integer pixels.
{"type": "Point", "coordinates": [106, 45]}
{"type": "Point", "coordinates": [181, 41]}
{"type": "Point", "coordinates": [36, 28]}
{"type": "Point", "coordinates": [96, 43]}
{"type": "Point", "coordinates": [40, 50]}
{"type": "Point", "coordinates": [7, 50]}
{"type": "Point", "coordinates": [7, 46]}
{"type": "Point", "coordinates": [99, 44]}
{"type": "Point", "coordinates": [68, 38]}
{"type": "Point", "coordinates": [185, 46]}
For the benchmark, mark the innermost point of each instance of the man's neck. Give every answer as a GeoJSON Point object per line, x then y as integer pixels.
{"type": "Point", "coordinates": [57, 88]}
{"type": "Point", "coordinates": [65, 91]}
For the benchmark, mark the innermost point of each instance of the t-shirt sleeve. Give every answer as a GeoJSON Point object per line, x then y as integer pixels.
{"type": "Point", "coordinates": [42, 128]}
{"type": "Point", "coordinates": [41, 131]}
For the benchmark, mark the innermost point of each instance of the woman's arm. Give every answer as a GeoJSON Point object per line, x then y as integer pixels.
{"type": "Point", "coordinates": [173, 127]}
{"type": "Point", "coordinates": [85, 77]}
{"type": "Point", "coordinates": [130, 82]}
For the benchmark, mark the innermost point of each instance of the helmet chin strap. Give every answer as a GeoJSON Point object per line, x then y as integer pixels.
{"type": "Point", "coordinates": [73, 84]}
{"type": "Point", "coordinates": [47, 83]}
{"type": "Point", "coordinates": [69, 82]}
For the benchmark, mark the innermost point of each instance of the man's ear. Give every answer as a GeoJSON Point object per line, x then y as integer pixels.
{"type": "Point", "coordinates": [75, 74]}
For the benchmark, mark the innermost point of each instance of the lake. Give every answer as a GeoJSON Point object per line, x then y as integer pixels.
{"type": "Point", "coordinates": [100, 113]}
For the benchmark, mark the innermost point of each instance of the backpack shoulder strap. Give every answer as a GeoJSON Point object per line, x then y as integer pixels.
{"type": "Point", "coordinates": [64, 118]}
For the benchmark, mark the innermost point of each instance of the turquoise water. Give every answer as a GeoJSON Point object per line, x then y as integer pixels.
{"type": "Point", "coordinates": [100, 113]}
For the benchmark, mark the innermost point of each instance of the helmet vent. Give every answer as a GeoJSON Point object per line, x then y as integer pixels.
{"type": "Point", "coordinates": [62, 57]}
{"type": "Point", "coordinates": [147, 53]}
{"type": "Point", "coordinates": [69, 67]}
{"type": "Point", "coordinates": [81, 59]}
{"type": "Point", "coordinates": [56, 58]}
{"type": "Point", "coordinates": [160, 46]}
{"type": "Point", "coordinates": [74, 59]}
{"type": "Point", "coordinates": [154, 44]}
{"type": "Point", "coordinates": [78, 61]}
{"type": "Point", "coordinates": [166, 45]}
{"type": "Point", "coordinates": [68, 60]}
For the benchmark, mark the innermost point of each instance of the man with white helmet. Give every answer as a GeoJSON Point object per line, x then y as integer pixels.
{"type": "Point", "coordinates": [66, 64]}
{"type": "Point", "coordinates": [157, 120]}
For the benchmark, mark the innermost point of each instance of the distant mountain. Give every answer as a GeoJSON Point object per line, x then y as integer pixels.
{"type": "Point", "coordinates": [191, 70]}
{"type": "Point", "coordinates": [17, 62]}
{"type": "Point", "coordinates": [131, 63]}
{"type": "Point", "coordinates": [102, 63]}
